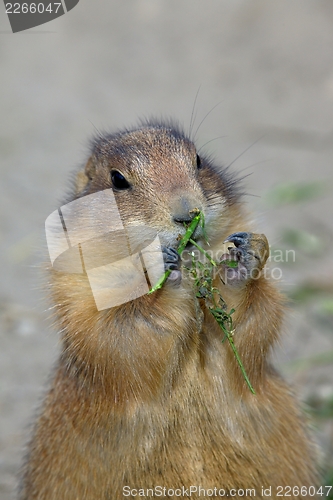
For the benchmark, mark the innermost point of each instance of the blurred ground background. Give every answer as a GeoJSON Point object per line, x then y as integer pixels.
{"type": "Point", "coordinates": [103, 65]}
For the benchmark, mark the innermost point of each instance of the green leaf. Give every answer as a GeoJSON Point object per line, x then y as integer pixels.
{"type": "Point", "coordinates": [230, 263]}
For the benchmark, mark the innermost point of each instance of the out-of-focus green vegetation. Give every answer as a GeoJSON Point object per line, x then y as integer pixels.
{"type": "Point", "coordinates": [312, 297]}
{"type": "Point", "coordinates": [295, 193]}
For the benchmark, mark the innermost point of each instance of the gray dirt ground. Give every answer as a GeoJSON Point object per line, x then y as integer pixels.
{"type": "Point", "coordinates": [269, 65]}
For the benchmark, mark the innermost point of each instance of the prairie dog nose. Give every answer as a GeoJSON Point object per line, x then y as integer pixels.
{"type": "Point", "coordinates": [183, 209]}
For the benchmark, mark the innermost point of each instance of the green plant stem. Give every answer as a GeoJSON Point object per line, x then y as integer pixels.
{"type": "Point", "coordinates": [160, 282]}
{"type": "Point", "coordinates": [233, 347]}
{"type": "Point", "coordinates": [183, 242]}
{"type": "Point", "coordinates": [206, 290]}
{"type": "Point", "coordinates": [203, 251]}
{"type": "Point", "coordinates": [189, 231]}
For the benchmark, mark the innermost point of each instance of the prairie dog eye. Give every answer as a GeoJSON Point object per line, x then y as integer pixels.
{"type": "Point", "coordinates": [118, 180]}
{"type": "Point", "coordinates": [198, 162]}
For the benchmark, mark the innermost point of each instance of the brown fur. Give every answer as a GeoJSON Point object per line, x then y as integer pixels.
{"type": "Point", "coordinates": [146, 394]}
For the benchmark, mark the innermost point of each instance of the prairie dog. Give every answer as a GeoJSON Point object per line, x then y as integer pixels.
{"type": "Point", "coordinates": [145, 394]}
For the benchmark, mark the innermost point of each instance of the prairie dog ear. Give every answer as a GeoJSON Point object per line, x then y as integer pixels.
{"type": "Point", "coordinates": [81, 182]}
{"type": "Point", "coordinates": [83, 177]}
{"type": "Point", "coordinates": [90, 168]}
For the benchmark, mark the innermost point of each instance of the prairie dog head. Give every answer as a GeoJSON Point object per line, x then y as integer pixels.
{"type": "Point", "coordinates": [159, 181]}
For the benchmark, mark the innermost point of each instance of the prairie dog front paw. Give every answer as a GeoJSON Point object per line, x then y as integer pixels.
{"type": "Point", "coordinates": [172, 263]}
{"type": "Point", "coordinates": [245, 260]}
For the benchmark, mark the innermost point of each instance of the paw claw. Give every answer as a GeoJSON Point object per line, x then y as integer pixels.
{"type": "Point", "coordinates": [171, 258]}
{"type": "Point", "coordinates": [172, 263]}
{"type": "Point", "coordinates": [238, 238]}
{"type": "Point", "coordinates": [251, 252]}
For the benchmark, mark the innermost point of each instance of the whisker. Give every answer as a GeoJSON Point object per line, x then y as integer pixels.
{"type": "Point", "coordinates": [194, 114]}
{"type": "Point", "coordinates": [208, 142]}
{"type": "Point", "coordinates": [245, 150]}
{"type": "Point", "coordinates": [98, 131]}
{"type": "Point", "coordinates": [253, 165]}
{"type": "Point", "coordinates": [204, 118]}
